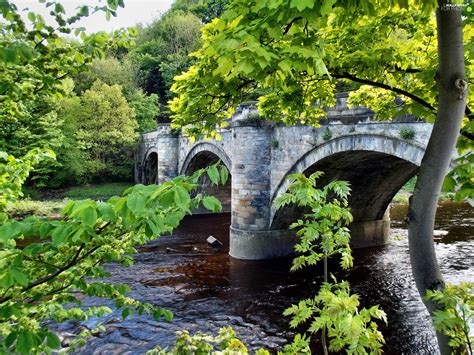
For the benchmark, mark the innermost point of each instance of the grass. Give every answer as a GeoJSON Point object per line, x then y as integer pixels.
{"type": "Point", "coordinates": [50, 203]}
{"type": "Point", "coordinates": [96, 192]}
{"type": "Point", "coordinates": [28, 207]}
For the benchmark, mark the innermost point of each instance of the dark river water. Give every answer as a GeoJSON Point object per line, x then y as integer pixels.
{"type": "Point", "coordinates": [206, 289]}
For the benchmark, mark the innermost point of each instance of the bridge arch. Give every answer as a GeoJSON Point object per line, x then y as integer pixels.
{"type": "Point", "coordinates": [202, 155]}
{"type": "Point", "coordinates": [376, 166]}
{"type": "Point", "coordinates": [150, 167]}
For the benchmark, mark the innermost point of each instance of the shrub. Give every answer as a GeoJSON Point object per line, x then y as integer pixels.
{"type": "Point", "coordinates": [327, 135]}
{"type": "Point", "coordinates": [407, 133]}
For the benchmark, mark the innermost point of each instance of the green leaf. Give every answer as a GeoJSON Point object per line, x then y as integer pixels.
{"type": "Point", "coordinates": [173, 218]}
{"type": "Point", "coordinates": [32, 16]}
{"type": "Point", "coordinates": [59, 234]}
{"type": "Point", "coordinates": [106, 211]}
{"type": "Point", "coordinates": [53, 341]}
{"type": "Point", "coordinates": [19, 276]}
{"type": "Point", "coordinates": [126, 312]}
{"type": "Point", "coordinates": [449, 183]}
{"type": "Point", "coordinates": [213, 174]}
{"type": "Point", "coordinates": [181, 197]}
{"type": "Point", "coordinates": [6, 281]}
{"type": "Point", "coordinates": [302, 4]}
{"type": "Point", "coordinates": [84, 11]}
{"type": "Point", "coordinates": [136, 202]}
{"type": "Point", "coordinates": [25, 342]}
{"type": "Point", "coordinates": [153, 227]}
{"type": "Point", "coordinates": [212, 203]}
{"type": "Point", "coordinates": [89, 216]}
{"type": "Point", "coordinates": [9, 54]}
{"type": "Point", "coordinates": [26, 53]}
{"type": "Point", "coordinates": [58, 8]}
{"type": "Point", "coordinates": [326, 7]}
{"type": "Point", "coordinates": [9, 230]}
{"type": "Point", "coordinates": [224, 175]}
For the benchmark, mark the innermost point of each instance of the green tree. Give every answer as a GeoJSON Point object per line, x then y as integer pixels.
{"type": "Point", "coordinates": [36, 280]}
{"type": "Point", "coordinates": [113, 71]}
{"type": "Point", "coordinates": [163, 50]}
{"type": "Point", "coordinates": [110, 71]}
{"type": "Point", "coordinates": [35, 60]}
{"type": "Point", "coordinates": [206, 10]}
{"type": "Point", "coordinates": [100, 128]}
{"type": "Point", "coordinates": [295, 50]}
{"type": "Point", "coordinates": [38, 127]}
{"type": "Point", "coordinates": [146, 110]}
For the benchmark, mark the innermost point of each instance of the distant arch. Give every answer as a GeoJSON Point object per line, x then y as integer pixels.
{"type": "Point", "coordinates": [203, 154]}
{"type": "Point", "coordinates": [150, 167]}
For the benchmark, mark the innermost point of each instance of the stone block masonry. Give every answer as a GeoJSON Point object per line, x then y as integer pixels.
{"type": "Point", "coordinates": [372, 156]}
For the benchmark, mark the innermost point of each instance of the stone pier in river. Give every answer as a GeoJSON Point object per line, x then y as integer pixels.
{"type": "Point", "coordinates": [377, 158]}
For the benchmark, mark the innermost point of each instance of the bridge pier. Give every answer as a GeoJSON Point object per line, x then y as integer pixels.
{"type": "Point", "coordinates": [370, 233]}
{"type": "Point", "coordinates": [260, 245]}
{"type": "Point", "coordinates": [249, 236]}
{"type": "Point", "coordinates": [167, 145]}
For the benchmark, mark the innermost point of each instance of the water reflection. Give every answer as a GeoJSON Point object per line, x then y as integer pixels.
{"type": "Point", "coordinates": [206, 289]}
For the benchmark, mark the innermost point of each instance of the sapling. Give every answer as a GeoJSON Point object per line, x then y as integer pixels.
{"type": "Point", "coordinates": [323, 233]}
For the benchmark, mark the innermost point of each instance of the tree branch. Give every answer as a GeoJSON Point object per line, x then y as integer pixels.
{"type": "Point", "coordinates": [74, 260]}
{"type": "Point", "coordinates": [41, 262]}
{"type": "Point", "coordinates": [287, 27]}
{"type": "Point", "coordinates": [415, 98]}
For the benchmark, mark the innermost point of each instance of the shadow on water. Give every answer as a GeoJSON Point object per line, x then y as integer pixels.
{"type": "Point", "coordinates": [206, 289]}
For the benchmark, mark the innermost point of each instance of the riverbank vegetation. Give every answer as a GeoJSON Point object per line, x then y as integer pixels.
{"type": "Point", "coordinates": [106, 100]}
{"type": "Point", "coordinates": [403, 196]}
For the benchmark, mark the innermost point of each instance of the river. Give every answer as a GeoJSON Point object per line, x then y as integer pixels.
{"type": "Point", "coordinates": [206, 289]}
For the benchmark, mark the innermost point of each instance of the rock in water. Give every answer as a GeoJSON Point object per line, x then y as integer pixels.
{"type": "Point", "coordinates": [214, 242]}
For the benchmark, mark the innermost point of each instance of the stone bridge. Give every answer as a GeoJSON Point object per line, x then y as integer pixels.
{"type": "Point", "coordinates": [377, 158]}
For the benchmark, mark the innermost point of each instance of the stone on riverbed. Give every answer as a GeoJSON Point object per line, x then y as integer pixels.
{"type": "Point", "coordinates": [214, 242]}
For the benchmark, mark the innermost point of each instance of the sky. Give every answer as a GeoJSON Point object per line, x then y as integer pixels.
{"type": "Point", "coordinates": [135, 11]}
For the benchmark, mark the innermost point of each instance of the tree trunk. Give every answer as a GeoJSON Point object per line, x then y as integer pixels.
{"type": "Point", "coordinates": [434, 166]}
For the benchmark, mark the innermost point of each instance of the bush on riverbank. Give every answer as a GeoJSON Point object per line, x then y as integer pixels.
{"type": "Point", "coordinates": [49, 203]}
{"type": "Point", "coordinates": [28, 207]}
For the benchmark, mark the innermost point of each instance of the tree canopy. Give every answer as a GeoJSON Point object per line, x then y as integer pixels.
{"type": "Point", "coordinates": [295, 52]}
{"type": "Point", "coordinates": [99, 127]}
{"type": "Point", "coordinates": [299, 49]}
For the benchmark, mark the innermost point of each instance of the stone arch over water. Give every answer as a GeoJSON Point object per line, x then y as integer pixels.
{"type": "Point", "coordinates": [150, 168]}
{"type": "Point", "coordinates": [203, 155]}
{"type": "Point", "coordinates": [370, 155]}
{"type": "Point", "coordinates": [376, 166]}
